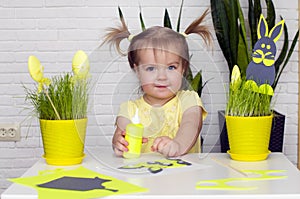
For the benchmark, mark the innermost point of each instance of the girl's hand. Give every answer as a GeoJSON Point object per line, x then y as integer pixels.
{"type": "Point", "coordinates": [120, 144]}
{"type": "Point", "coordinates": [166, 146]}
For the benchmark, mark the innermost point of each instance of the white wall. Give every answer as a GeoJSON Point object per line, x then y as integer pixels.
{"type": "Point", "coordinates": [54, 30]}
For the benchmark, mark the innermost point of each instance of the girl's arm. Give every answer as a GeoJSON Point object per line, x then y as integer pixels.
{"type": "Point", "coordinates": [186, 136]}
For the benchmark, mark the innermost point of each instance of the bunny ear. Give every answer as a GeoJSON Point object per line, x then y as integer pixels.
{"type": "Point", "coordinates": [262, 29]}
{"type": "Point", "coordinates": [276, 31]}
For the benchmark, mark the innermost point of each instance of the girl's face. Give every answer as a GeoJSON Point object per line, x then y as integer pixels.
{"type": "Point", "coordinates": [160, 74]}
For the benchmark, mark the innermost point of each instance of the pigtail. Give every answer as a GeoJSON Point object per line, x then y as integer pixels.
{"type": "Point", "coordinates": [202, 30]}
{"type": "Point", "coordinates": [114, 36]}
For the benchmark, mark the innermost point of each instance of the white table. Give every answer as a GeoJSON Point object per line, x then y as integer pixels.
{"type": "Point", "coordinates": [181, 183]}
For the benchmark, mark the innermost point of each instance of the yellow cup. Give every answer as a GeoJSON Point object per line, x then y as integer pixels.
{"type": "Point", "coordinates": [63, 141]}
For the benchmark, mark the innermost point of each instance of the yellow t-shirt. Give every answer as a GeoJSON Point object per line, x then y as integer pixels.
{"type": "Point", "coordinates": [164, 120]}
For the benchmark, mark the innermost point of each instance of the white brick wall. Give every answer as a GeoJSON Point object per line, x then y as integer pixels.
{"type": "Point", "coordinates": [54, 29]}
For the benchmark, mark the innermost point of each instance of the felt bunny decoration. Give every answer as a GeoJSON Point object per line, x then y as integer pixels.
{"type": "Point", "coordinates": [261, 69]}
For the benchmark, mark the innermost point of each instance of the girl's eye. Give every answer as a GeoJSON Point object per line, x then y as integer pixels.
{"type": "Point", "coordinates": [172, 67]}
{"type": "Point", "coordinates": [150, 68]}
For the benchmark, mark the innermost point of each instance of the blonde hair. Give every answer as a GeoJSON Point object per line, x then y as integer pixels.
{"type": "Point", "coordinates": [158, 38]}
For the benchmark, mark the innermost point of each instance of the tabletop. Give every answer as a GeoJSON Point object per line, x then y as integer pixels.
{"type": "Point", "coordinates": [207, 175]}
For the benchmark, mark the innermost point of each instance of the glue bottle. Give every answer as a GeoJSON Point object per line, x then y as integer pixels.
{"type": "Point", "coordinates": [134, 135]}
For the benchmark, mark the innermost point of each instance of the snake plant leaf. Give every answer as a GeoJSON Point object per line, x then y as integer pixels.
{"type": "Point", "coordinates": [200, 86]}
{"type": "Point", "coordinates": [232, 10]}
{"type": "Point", "coordinates": [257, 13]}
{"type": "Point", "coordinates": [121, 17]}
{"type": "Point", "coordinates": [271, 15]}
{"type": "Point", "coordinates": [295, 40]}
{"type": "Point", "coordinates": [257, 10]}
{"type": "Point", "coordinates": [179, 17]}
{"type": "Point", "coordinates": [120, 13]}
{"type": "Point", "coordinates": [243, 57]}
{"type": "Point", "coordinates": [284, 50]}
{"type": "Point", "coordinates": [221, 25]}
{"type": "Point", "coordinates": [197, 82]}
{"type": "Point", "coordinates": [167, 21]}
{"type": "Point", "coordinates": [188, 78]}
{"type": "Point", "coordinates": [189, 75]}
{"type": "Point", "coordinates": [141, 20]}
{"type": "Point", "coordinates": [252, 23]}
{"type": "Point", "coordinates": [291, 49]}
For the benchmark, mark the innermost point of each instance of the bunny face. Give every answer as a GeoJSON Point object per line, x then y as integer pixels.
{"type": "Point", "coordinates": [264, 52]}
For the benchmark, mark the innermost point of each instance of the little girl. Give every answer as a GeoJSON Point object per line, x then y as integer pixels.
{"type": "Point", "coordinates": [172, 117]}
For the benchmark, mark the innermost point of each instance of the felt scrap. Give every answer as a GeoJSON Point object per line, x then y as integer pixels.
{"type": "Point", "coordinates": [78, 183]}
{"type": "Point", "coordinates": [221, 184]}
{"type": "Point", "coordinates": [158, 165]}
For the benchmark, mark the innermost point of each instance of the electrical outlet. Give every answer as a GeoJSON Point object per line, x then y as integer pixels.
{"type": "Point", "coordinates": [10, 132]}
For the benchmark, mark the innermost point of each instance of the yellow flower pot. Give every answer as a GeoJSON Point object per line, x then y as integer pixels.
{"type": "Point", "coordinates": [249, 137]}
{"type": "Point", "coordinates": [63, 141]}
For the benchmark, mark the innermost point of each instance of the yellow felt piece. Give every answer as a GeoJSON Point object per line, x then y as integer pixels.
{"type": "Point", "coordinates": [235, 75]}
{"type": "Point", "coordinates": [221, 184]}
{"type": "Point", "coordinates": [265, 174]}
{"type": "Point", "coordinates": [251, 85]}
{"type": "Point", "coordinates": [35, 68]}
{"type": "Point", "coordinates": [80, 63]}
{"type": "Point", "coordinates": [36, 71]}
{"type": "Point", "coordinates": [263, 89]}
{"type": "Point", "coordinates": [120, 187]}
{"type": "Point", "coordinates": [266, 89]}
{"type": "Point", "coordinates": [281, 23]}
{"type": "Point", "coordinates": [262, 20]}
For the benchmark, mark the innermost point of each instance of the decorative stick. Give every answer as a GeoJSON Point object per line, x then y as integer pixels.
{"type": "Point", "coordinates": [46, 92]}
{"type": "Point", "coordinates": [229, 166]}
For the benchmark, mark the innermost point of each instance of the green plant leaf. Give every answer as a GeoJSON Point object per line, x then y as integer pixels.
{"type": "Point", "coordinates": [243, 58]}
{"type": "Point", "coordinates": [232, 14]}
{"type": "Point", "coordinates": [271, 15]}
{"type": "Point", "coordinates": [120, 13]}
{"type": "Point", "coordinates": [179, 17]}
{"type": "Point", "coordinates": [242, 55]}
{"type": "Point", "coordinates": [197, 79]}
{"type": "Point", "coordinates": [246, 102]}
{"type": "Point", "coordinates": [167, 21]}
{"type": "Point", "coordinates": [295, 40]}
{"type": "Point", "coordinates": [257, 13]}
{"type": "Point", "coordinates": [189, 75]}
{"type": "Point", "coordinates": [252, 24]}
{"type": "Point", "coordinates": [257, 10]}
{"type": "Point", "coordinates": [141, 20]}
{"type": "Point", "coordinates": [221, 26]}
{"type": "Point", "coordinates": [69, 96]}
{"type": "Point", "coordinates": [200, 84]}
{"type": "Point", "coordinates": [121, 17]}
{"type": "Point", "coordinates": [188, 78]}
{"type": "Point", "coordinates": [284, 50]}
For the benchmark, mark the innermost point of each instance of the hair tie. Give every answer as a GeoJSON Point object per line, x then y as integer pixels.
{"type": "Point", "coordinates": [130, 37]}
{"type": "Point", "coordinates": [184, 34]}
